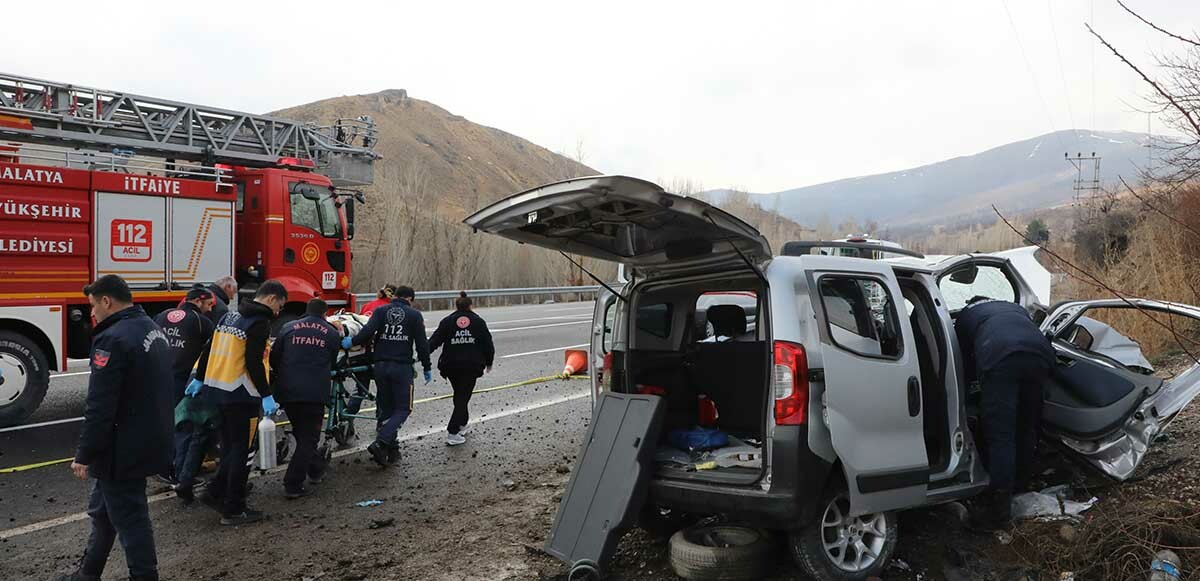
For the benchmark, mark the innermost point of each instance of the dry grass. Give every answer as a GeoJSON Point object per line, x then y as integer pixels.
{"type": "Point", "coordinates": [1160, 263]}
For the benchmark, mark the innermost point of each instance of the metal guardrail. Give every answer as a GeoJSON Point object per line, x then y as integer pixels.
{"type": "Point", "coordinates": [496, 292]}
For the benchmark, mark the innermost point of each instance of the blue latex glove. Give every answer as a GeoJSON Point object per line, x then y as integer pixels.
{"type": "Point", "coordinates": [347, 342]}
{"type": "Point", "coordinates": [269, 406]}
{"type": "Point", "coordinates": [193, 388]}
{"type": "Point", "coordinates": [428, 376]}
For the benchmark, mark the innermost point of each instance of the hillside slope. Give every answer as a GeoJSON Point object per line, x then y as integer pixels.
{"type": "Point", "coordinates": [462, 161]}
{"type": "Point", "coordinates": [438, 167]}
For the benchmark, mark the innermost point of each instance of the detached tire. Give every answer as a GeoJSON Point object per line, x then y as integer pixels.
{"type": "Point", "coordinates": [24, 378]}
{"type": "Point", "coordinates": [721, 552]}
{"type": "Point", "coordinates": [837, 546]}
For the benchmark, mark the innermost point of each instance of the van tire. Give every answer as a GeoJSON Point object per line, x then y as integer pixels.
{"type": "Point", "coordinates": [21, 352]}
{"type": "Point", "coordinates": [721, 552]}
{"type": "Point", "coordinates": [808, 548]}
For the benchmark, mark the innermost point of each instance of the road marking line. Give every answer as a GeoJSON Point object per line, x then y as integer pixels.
{"type": "Point", "coordinates": [47, 463]}
{"type": "Point", "coordinates": [40, 425]}
{"type": "Point", "coordinates": [544, 351]}
{"type": "Point", "coordinates": [62, 520]}
{"type": "Point", "coordinates": [494, 331]}
{"type": "Point", "coordinates": [430, 333]}
{"type": "Point", "coordinates": [80, 418]}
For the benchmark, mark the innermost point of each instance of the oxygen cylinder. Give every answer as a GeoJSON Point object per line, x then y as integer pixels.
{"type": "Point", "coordinates": [266, 444]}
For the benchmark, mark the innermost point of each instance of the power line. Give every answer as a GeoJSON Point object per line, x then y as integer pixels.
{"type": "Point", "coordinates": [1062, 73]}
{"type": "Point", "coordinates": [1029, 67]}
{"type": "Point", "coordinates": [1092, 20]}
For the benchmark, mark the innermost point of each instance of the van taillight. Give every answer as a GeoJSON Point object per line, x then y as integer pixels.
{"type": "Point", "coordinates": [790, 382]}
{"type": "Point", "coordinates": [606, 373]}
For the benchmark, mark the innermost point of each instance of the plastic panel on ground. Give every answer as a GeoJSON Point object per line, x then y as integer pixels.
{"type": "Point", "coordinates": [609, 483]}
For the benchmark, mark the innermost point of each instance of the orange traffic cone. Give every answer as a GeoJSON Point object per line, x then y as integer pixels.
{"type": "Point", "coordinates": [576, 362]}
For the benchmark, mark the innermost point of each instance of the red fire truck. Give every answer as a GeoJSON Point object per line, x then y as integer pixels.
{"type": "Point", "coordinates": [166, 195]}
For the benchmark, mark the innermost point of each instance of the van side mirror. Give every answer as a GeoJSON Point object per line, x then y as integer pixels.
{"type": "Point", "coordinates": [349, 205]}
{"type": "Point", "coordinates": [965, 275]}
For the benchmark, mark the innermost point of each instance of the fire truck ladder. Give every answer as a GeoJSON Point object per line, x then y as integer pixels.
{"type": "Point", "coordinates": [62, 115]}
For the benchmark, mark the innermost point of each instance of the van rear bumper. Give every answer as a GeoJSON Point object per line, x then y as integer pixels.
{"type": "Point", "coordinates": [798, 480]}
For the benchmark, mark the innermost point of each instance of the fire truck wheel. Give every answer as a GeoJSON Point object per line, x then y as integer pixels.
{"type": "Point", "coordinates": [24, 378]}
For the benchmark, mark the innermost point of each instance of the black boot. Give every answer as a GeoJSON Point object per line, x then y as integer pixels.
{"type": "Point", "coordinates": [379, 452]}
{"type": "Point", "coordinates": [79, 576]}
{"type": "Point", "coordinates": [393, 454]}
{"type": "Point", "coordinates": [991, 511]}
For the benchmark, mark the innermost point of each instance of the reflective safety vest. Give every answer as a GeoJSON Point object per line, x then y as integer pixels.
{"type": "Point", "coordinates": [226, 369]}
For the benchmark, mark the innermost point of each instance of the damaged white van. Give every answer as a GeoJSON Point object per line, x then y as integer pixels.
{"type": "Point", "coordinates": [836, 382]}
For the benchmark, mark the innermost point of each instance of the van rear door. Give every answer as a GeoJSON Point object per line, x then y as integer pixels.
{"type": "Point", "coordinates": [872, 389]}
{"type": "Point", "coordinates": [628, 221]}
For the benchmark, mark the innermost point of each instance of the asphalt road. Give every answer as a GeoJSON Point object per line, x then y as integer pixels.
{"type": "Point", "coordinates": [35, 501]}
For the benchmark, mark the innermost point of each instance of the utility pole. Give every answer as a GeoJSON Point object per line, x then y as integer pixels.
{"type": "Point", "coordinates": [1086, 189]}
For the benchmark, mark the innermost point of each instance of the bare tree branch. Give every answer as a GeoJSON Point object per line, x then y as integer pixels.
{"type": "Point", "coordinates": [1156, 208]}
{"type": "Point", "coordinates": [1152, 25]}
{"type": "Point", "coordinates": [1187, 115]}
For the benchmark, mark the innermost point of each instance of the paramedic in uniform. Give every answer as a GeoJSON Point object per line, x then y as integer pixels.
{"type": "Point", "coordinates": [225, 291]}
{"type": "Point", "coordinates": [1012, 358]}
{"type": "Point", "coordinates": [397, 332]}
{"type": "Point", "coordinates": [233, 371]}
{"type": "Point", "coordinates": [467, 351]}
{"type": "Point", "coordinates": [188, 330]}
{"type": "Point", "coordinates": [123, 438]}
{"type": "Point", "coordinates": [301, 358]}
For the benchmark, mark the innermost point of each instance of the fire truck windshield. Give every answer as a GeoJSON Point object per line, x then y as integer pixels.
{"type": "Point", "coordinates": [313, 208]}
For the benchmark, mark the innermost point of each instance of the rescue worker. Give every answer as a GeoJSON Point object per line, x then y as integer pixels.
{"type": "Point", "coordinates": [397, 332]}
{"type": "Point", "coordinates": [1012, 358]}
{"type": "Point", "coordinates": [123, 439]}
{"type": "Point", "coordinates": [301, 358]}
{"type": "Point", "coordinates": [188, 329]}
{"type": "Point", "coordinates": [467, 352]}
{"type": "Point", "coordinates": [225, 291]}
{"type": "Point", "coordinates": [233, 370]}
{"type": "Point", "coordinates": [383, 297]}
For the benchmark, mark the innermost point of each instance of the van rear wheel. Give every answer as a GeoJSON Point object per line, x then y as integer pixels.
{"type": "Point", "coordinates": [839, 546]}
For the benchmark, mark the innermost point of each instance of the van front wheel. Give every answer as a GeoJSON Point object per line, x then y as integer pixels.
{"type": "Point", "coordinates": [839, 546]}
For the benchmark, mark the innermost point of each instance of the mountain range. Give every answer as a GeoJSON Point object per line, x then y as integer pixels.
{"type": "Point", "coordinates": [1016, 177]}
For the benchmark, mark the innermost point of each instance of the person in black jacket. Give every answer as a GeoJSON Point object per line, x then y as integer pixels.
{"type": "Point", "coordinates": [233, 373]}
{"type": "Point", "coordinates": [225, 291]}
{"type": "Point", "coordinates": [188, 329]}
{"type": "Point", "coordinates": [123, 438]}
{"type": "Point", "coordinates": [467, 351]}
{"type": "Point", "coordinates": [1012, 358]}
{"type": "Point", "coordinates": [397, 331]}
{"type": "Point", "coordinates": [301, 358]}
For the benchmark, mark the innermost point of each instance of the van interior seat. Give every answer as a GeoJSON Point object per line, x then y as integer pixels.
{"type": "Point", "coordinates": [727, 320]}
{"type": "Point", "coordinates": [734, 376]}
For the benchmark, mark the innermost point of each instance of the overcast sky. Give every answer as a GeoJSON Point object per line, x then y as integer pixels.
{"type": "Point", "coordinates": [763, 96]}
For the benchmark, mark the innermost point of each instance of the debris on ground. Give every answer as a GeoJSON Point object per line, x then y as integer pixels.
{"type": "Point", "coordinates": [366, 503]}
{"type": "Point", "coordinates": [1050, 503]}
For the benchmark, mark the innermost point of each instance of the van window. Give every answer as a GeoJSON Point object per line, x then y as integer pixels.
{"type": "Point", "coordinates": [990, 281]}
{"type": "Point", "coordinates": [655, 320]}
{"type": "Point", "coordinates": [610, 320]}
{"type": "Point", "coordinates": [861, 316]}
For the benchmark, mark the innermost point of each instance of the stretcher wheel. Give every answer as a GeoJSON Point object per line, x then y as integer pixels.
{"type": "Point", "coordinates": [343, 434]}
